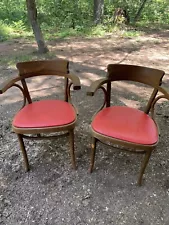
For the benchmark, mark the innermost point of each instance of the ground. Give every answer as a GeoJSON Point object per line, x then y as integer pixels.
{"type": "Point", "coordinates": [52, 193]}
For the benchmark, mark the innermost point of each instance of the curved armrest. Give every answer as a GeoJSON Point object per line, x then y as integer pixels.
{"type": "Point", "coordinates": [75, 80]}
{"type": "Point", "coordinates": [9, 83]}
{"type": "Point", "coordinates": [96, 85]}
{"type": "Point", "coordinates": [164, 91]}
{"type": "Point", "coordinates": [165, 94]}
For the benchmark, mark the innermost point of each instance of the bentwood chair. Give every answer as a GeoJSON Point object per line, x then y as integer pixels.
{"type": "Point", "coordinates": [36, 120]}
{"type": "Point", "coordinates": [126, 126]}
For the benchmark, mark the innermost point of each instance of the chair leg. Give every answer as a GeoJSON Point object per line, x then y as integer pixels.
{"type": "Point", "coordinates": [92, 154]}
{"type": "Point", "coordinates": [143, 167]}
{"type": "Point", "coordinates": [25, 157]}
{"type": "Point", "coordinates": [72, 152]}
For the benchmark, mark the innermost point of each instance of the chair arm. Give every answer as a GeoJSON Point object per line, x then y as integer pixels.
{"type": "Point", "coordinates": [8, 84]}
{"type": "Point", "coordinates": [165, 94]}
{"type": "Point", "coordinates": [75, 80]}
{"type": "Point", "coordinates": [164, 91]}
{"type": "Point", "coordinates": [96, 85]}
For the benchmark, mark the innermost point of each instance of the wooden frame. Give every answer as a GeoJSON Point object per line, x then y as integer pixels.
{"type": "Point", "coordinates": [59, 67]}
{"type": "Point", "coordinates": [145, 75]}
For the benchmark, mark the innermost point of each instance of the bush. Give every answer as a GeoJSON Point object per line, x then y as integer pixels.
{"type": "Point", "coordinates": [5, 31]}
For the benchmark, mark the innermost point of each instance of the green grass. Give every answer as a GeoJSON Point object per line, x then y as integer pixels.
{"type": "Point", "coordinates": [79, 31]}
{"type": "Point", "coordinates": [131, 33]}
{"type": "Point", "coordinates": [15, 30]}
{"type": "Point", "coordinates": [5, 32]}
{"type": "Point", "coordinates": [18, 30]}
{"type": "Point", "coordinates": [93, 31]}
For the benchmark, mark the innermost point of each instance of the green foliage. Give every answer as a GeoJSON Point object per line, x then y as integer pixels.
{"type": "Point", "coordinates": [13, 11]}
{"type": "Point", "coordinates": [131, 33]}
{"type": "Point", "coordinates": [65, 13]}
{"type": "Point", "coordinates": [62, 18]}
{"type": "Point", "coordinates": [4, 31]}
{"type": "Point", "coordinates": [157, 12]}
{"type": "Point", "coordinates": [18, 26]}
{"type": "Point", "coordinates": [90, 31]}
{"type": "Point", "coordinates": [15, 30]}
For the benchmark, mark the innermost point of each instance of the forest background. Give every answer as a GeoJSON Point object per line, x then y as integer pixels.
{"type": "Point", "coordinates": [63, 18]}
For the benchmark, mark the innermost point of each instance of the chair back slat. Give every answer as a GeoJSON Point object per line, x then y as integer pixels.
{"type": "Point", "coordinates": [45, 67]}
{"type": "Point", "coordinates": [58, 67]}
{"type": "Point", "coordinates": [149, 76]}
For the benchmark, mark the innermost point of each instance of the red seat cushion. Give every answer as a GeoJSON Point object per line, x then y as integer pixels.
{"type": "Point", "coordinates": [126, 124]}
{"type": "Point", "coordinates": [45, 113]}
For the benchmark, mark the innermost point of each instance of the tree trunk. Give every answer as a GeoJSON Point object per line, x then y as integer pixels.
{"type": "Point", "coordinates": [140, 11]}
{"type": "Point", "coordinates": [32, 14]}
{"type": "Point", "coordinates": [98, 11]}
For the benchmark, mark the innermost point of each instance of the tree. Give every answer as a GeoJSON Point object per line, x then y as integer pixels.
{"type": "Point", "coordinates": [98, 11]}
{"type": "Point", "coordinates": [32, 14]}
{"type": "Point", "coordinates": [139, 11]}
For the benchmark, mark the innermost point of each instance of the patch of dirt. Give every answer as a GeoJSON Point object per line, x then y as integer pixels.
{"type": "Point", "coordinates": [52, 193]}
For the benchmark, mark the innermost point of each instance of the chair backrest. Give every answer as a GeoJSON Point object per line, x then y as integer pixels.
{"type": "Point", "coordinates": [58, 67]}
{"type": "Point", "coordinates": [145, 75]}
{"type": "Point", "coordinates": [45, 67]}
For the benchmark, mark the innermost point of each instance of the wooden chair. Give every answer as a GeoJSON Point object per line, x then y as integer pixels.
{"type": "Point", "coordinates": [124, 125]}
{"type": "Point", "coordinates": [44, 116]}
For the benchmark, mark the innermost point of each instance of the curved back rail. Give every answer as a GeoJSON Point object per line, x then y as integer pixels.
{"type": "Point", "coordinates": [144, 75]}
{"type": "Point", "coordinates": [57, 67]}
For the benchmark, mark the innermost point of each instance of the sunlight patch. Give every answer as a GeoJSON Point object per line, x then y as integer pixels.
{"type": "Point", "coordinates": [130, 103]}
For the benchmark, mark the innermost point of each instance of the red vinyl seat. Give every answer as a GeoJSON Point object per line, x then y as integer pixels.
{"type": "Point", "coordinates": [45, 113]}
{"type": "Point", "coordinates": [127, 124]}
